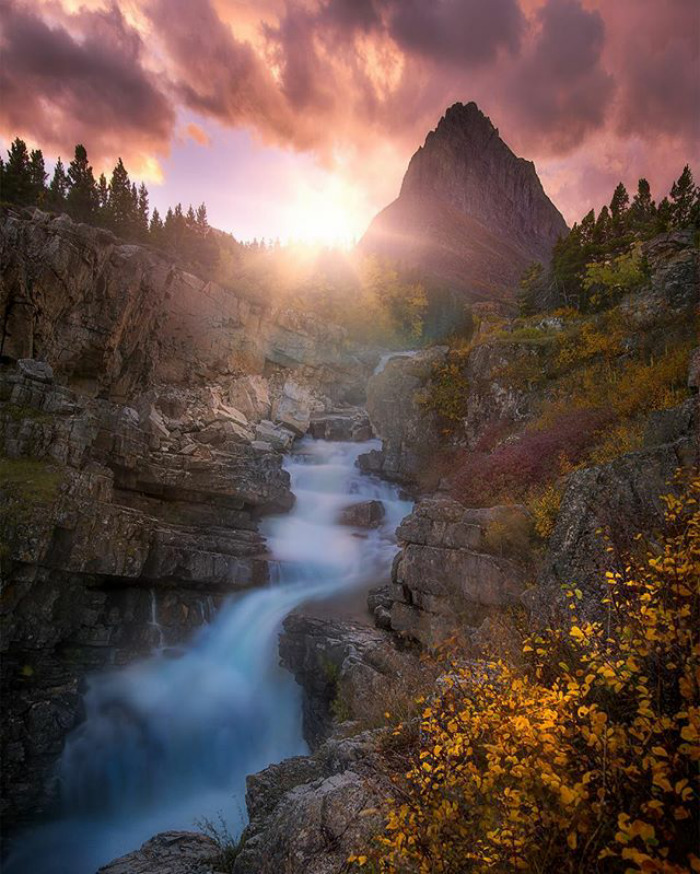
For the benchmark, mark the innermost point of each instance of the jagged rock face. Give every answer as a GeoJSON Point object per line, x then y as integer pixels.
{"type": "Point", "coordinates": [112, 319]}
{"type": "Point", "coordinates": [310, 814]}
{"type": "Point", "coordinates": [169, 853]}
{"type": "Point", "coordinates": [137, 528]}
{"type": "Point", "coordinates": [338, 663]}
{"type": "Point", "coordinates": [409, 430]}
{"type": "Point", "coordinates": [469, 212]}
{"type": "Point", "coordinates": [620, 499]}
{"type": "Point", "coordinates": [447, 577]}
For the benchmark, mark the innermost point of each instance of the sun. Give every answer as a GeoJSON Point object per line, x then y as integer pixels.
{"type": "Point", "coordinates": [327, 212]}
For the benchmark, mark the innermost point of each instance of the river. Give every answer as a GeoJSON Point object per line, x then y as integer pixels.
{"type": "Point", "coordinates": [169, 740]}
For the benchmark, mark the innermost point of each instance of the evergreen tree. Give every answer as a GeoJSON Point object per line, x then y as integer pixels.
{"type": "Point", "coordinates": [103, 200]}
{"type": "Point", "coordinates": [202, 221]}
{"type": "Point", "coordinates": [58, 188]}
{"type": "Point", "coordinates": [168, 236]}
{"type": "Point", "coordinates": [643, 209]}
{"type": "Point", "coordinates": [602, 230]}
{"type": "Point", "coordinates": [664, 216]}
{"type": "Point", "coordinates": [17, 177]}
{"type": "Point", "coordinates": [82, 197]}
{"type": "Point", "coordinates": [191, 219]}
{"type": "Point", "coordinates": [682, 197]}
{"type": "Point", "coordinates": [120, 200]}
{"type": "Point", "coordinates": [156, 228]}
{"type": "Point", "coordinates": [142, 212]}
{"type": "Point", "coordinates": [618, 209]}
{"type": "Point", "coordinates": [38, 177]}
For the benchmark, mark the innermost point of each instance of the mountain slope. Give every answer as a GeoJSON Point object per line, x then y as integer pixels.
{"type": "Point", "coordinates": [470, 213]}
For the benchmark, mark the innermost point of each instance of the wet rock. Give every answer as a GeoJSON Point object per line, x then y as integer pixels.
{"type": "Point", "coordinates": [341, 665]}
{"type": "Point", "coordinates": [347, 425]}
{"type": "Point", "coordinates": [169, 853]}
{"type": "Point", "coordinates": [409, 430]}
{"type": "Point", "coordinates": [366, 514]}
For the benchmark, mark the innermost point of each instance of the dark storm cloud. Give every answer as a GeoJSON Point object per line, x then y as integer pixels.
{"type": "Point", "coordinates": [560, 91]}
{"type": "Point", "coordinates": [62, 89]}
{"type": "Point", "coordinates": [467, 32]}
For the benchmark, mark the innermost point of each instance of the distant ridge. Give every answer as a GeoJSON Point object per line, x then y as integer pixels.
{"type": "Point", "coordinates": [470, 212]}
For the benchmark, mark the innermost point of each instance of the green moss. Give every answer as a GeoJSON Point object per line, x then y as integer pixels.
{"type": "Point", "coordinates": [17, 413]}
{"type": "Point", "coordinates": [29, 480]}
{"type": "Point", "coordinates": [25, 484]}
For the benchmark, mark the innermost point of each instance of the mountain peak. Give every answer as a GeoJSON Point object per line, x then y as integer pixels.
{"type": "Point", "coordinates": [470, 211]}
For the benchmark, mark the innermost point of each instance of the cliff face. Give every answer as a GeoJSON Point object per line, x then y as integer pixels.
{"type": "Point", "coordinates": [143, 412]}
{"type": "Point", "coordinates": [470, 212]}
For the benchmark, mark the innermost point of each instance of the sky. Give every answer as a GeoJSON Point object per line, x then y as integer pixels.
{"type": "Point", "coordinates": [297, 118]}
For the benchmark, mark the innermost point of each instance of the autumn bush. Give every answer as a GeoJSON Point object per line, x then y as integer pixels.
{"type": "Point", "coordinates": [586, 758]}
{"type": "Point", "coordinates": [512, 470]}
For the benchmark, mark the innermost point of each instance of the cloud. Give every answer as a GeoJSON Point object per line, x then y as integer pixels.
{"type": "Point", "coordinates": [81, 79]}
{"type": "Point", "coordinates": [560, 91]}
{"type": "Point", "coordinates": [197, 135]}
{"type": "Point", "coordinates": [464, 32]}
{"type": "Point", "coordinates": [358, 83]}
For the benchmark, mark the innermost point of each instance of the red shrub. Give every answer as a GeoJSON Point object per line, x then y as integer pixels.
{"type": "Point", "coordinates": [512, 470]}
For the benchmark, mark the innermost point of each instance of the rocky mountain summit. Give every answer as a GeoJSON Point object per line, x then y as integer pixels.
{"type": "Point", "coordinates": [470, 212]}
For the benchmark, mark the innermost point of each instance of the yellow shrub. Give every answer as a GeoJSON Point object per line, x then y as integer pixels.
{"type": "Point", "coordinates": [586, 762]}
{"type": "Point", "coordinates": [626, 437]}
{"type": "Point", "coordinates": [544, 507]}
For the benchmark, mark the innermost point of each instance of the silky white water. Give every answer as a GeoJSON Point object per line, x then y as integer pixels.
{"type": "Point", "coordinates": [168, 741]}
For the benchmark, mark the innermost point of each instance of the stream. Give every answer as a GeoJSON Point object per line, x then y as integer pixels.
{"type": "Point", "coordinates": [168, 741]}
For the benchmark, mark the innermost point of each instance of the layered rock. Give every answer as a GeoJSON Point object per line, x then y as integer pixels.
{"type": "Point", "coordinates": [456, 568]}
{"type": "Point", "coordinates": [143, 415]}
{"type": "Point", "coordinates": [342, 667]}
{"type": "Point", "coordinates": [113, 319]}
{"type": "Point", "coordinates": [410, 430]}
{"type": "Point", "coordinates": [470, 212]}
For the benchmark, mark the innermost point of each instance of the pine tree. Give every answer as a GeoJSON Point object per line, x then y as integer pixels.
{"type": "Point", "coordinates": [202, 221]}
{"type": "Point", "coordinates": [120, 204]}
{"type": "Point", "coordinates": [682, 197]}
{"type": "Point", "coordinates": [103, 200]}
{"type": "Point", "coordinates": [643, 209]}
{"type": "Point", "coordinates": [191, 219]}
{"type": "Point", "coordinates": [142, 212]}
{"type": "Point", "coordinates": [168, 236]}
{"type": "Point", "coordinates": [618, 209]}
{"type": "Point", "coordinates": [602, 230]}
{"type": "Point", "coordinates": [17, 177]}
{"type": "Point", "coordinates": [58, 188]}
{"type": "Point", "coordinates": [38, 177]}
{"type": "Point", "coordinates": [82, 197]}
{"type": "Point", "coordinates": [664, 215]}
{"type": "Point", "coordinates": [156, 228]}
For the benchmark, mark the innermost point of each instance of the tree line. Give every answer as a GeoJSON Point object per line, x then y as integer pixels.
{"type": "Point", "coordinates": [607, 239]}
{"type": "Point", "coordinates": [119, 204]}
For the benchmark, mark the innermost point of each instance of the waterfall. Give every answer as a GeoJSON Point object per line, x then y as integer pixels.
{"type": "Point", "coordinates": [168, 741]}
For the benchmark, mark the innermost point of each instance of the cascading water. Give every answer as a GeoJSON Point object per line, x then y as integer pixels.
{"type": "Point", "coordinates": [168, 741]}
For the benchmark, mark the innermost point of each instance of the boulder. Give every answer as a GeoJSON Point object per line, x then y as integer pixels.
{"type": "Point", "coordinates": [169, 853]}
{"type": "Point", "coordinates": [366, 514]}
{"type": "Point", "coordinates": [452, 571]}
{"type": "Point", "coordinates": [310, 814]}
{"type": "Point", "coordinates": [409, 430]}
{"type": "Point", "coordinates": [347, 425]}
